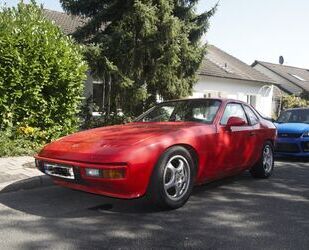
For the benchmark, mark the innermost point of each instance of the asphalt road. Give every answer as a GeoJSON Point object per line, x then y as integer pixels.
{"type": "Point", "coordinates": [236, 213]}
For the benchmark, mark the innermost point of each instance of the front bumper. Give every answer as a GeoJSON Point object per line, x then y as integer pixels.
{"type": "Point", "coordinates": [125, 188]}
{"type": "Point", "coordinates": [293, 147]}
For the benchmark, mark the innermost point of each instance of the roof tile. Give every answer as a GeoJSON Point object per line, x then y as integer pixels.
{"type": "Point", "coordinates": [298, 76]}
{"type": "Point", "coordinates": [218, 63]}
{"type": "Point", "coordinates": [68, 23]}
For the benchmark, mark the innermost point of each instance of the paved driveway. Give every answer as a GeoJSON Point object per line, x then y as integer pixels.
{"type": "Point", "coordinates": [16, 168]}
{"type": "Point", "coordinates": [236, 213]}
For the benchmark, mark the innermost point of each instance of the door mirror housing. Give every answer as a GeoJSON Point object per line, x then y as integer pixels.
{"type": "Point", "coordinates": [234, 121]}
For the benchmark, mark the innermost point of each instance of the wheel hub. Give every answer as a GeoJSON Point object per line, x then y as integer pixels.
{"type": "Point", "coordinates": [176, 177]}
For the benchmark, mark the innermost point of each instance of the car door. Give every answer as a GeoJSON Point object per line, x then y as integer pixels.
{"type": "Point", "coordinates": [232, 141]}
{"type": "Point", "coordinates": [254, 142]}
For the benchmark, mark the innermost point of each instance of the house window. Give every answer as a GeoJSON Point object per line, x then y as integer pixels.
{"type": "Point", "coordinates": [98, 93]}
{"type": "Point", "coordinates": [215, 94]}
{"type": "Point", "coordinates": [251, 99]}
{"type": "Point", "coordinates": [297, 77]}
{"type": "Point", "coordinates": [159, 98]}
{"type": "Point", "coordinates": [207, 95]}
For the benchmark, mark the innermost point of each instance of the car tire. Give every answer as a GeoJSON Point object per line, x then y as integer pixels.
{"type": "Point", "coordinates": [172, 179]}
{"type": "Point", "coordinates": [265, 166]}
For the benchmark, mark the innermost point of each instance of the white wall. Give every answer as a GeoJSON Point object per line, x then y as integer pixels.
{"type": "Point", "coordinates": [233, 89]}
{"type": "Point", "coordinates": [278, 79]}
{"type": "Point", "coordinates": [88, 90]}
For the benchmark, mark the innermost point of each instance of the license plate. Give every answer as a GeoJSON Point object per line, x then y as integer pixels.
{"type": "Point", "coordinates": [59, 170]}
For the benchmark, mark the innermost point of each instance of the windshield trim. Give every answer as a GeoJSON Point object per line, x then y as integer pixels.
{"type": "Point", "coordinates": [178, 101]}
{"type": "Point", "coordinates": [295, 111]}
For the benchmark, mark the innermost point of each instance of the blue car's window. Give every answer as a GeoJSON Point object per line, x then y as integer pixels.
{"type": "Point", "coordinates": [294, 116]}
{"type": "Point", "coordinates": [185, 110]}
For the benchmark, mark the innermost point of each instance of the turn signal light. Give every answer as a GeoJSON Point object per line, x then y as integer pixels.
{"type": "Point", "coordinates": [113, 173]}
{"type": "Point", "coordinates": [106, 173]}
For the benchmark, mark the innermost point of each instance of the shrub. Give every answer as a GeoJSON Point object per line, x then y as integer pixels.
{"type": "Point", "coordinates": [292, 101]}
{"type": "Point", "coordinates": [90, 121]}
{"type": "Point", "coordinates": [13, 145]}
{"type": "Point", "coordinates": [42, 75]}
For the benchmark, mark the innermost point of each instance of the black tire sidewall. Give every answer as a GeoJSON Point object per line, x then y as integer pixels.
{"type": "Point", "coordinates": [157, 187]}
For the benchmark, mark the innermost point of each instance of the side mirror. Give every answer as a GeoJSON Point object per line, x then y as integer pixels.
{"type": "Point", "coordinates": [234, 121]}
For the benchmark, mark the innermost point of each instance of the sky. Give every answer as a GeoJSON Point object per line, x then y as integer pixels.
{"type": "Point", "coordinates": [251, 29]}
{"type": "Point", "coordinates": [261, 29]}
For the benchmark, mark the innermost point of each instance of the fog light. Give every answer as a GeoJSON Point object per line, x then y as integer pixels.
{"type": "Point", "coordinates": [93, 172]}
{"type": "Point", "coordinates": [113, 173]}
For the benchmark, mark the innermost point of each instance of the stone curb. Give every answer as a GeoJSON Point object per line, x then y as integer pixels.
{"type": "Point", "coordinates": [26, 184]}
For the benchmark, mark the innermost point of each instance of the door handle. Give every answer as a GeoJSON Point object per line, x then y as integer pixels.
{"type": "Point", "coordinates": [252, 133]}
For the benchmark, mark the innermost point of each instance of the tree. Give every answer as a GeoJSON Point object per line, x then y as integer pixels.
{"type": "Point", "coordinates": [147, 47]}
{"type": "Point", "coordinates": [42, 72]}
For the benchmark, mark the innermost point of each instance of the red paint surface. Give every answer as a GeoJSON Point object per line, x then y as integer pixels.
{"type": "Point", "coordinates": [137, 147]}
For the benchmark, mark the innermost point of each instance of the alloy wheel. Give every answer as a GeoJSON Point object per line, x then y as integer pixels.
{"type": "Point", "coordinates": [268, 158]}
{"type": "Point", "coordinates": [176, 177]}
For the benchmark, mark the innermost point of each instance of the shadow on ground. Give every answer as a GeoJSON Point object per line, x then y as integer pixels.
{"type": "Point", "coordinates": [292, 159]}
{"type": "Point", "coordinates": [238, 212]}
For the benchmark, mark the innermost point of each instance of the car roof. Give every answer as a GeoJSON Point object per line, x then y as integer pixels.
{"type": "Point", "coordinates": [203, 99]}
{"type": "Point", "coordinates": [290, 109]}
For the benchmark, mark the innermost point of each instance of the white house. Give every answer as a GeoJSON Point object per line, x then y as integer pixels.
{"type": "Point", "coordinates": [222, 75]}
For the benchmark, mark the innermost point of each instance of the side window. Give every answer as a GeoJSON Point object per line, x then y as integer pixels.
{"type": "Point", "coordinates": [253, 119]}
{"type": "Point", "coordinates": [204, 112]}
{"type": "Point", "coordinates": [233, 109]}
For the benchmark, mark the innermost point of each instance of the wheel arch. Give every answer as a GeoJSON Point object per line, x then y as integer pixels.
{"type": "Point", "coordinates": [192, 152]}
{"type": "Point", "coordinates": [272, 141]}
{"type": "Point", "coordinates": [154, 196]}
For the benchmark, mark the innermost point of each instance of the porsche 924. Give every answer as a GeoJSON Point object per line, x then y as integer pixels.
{"type": "Point", "coordinates": [165, 152]}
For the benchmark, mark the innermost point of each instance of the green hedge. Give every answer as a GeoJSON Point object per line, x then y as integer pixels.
{"type": "Point", "coordinates": [42, 75]}
{"type": "Point", "coordinates": [15, 145]}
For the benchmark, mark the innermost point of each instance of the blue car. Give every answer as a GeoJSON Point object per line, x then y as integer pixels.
{"type": "Point", "coordinates": [293, 133]}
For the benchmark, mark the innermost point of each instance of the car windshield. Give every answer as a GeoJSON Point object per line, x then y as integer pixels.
{"type": "Point", "coordinates": [184, 110]}
{"type": "Point", "coordinates": [294, 116]}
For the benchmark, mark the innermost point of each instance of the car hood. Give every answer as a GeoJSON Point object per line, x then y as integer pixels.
{"type": "Point", "coordinates": [292, 127]}
{"type": "Point", "coordinates": [127, 135]}
{"type": "Point", "coordinates": [106, 142]}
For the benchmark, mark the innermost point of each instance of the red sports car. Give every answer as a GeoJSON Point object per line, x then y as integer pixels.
{"type": "Point", "coordinates": [165, 151]}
